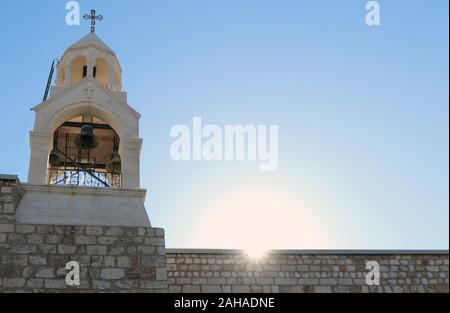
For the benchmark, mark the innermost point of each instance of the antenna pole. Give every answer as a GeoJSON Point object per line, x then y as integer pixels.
{"type": "Point", "coordinates": [49, 81]}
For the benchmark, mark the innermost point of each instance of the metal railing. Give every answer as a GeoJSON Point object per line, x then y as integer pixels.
{"type": "Point", "coordinates": [79, 177]}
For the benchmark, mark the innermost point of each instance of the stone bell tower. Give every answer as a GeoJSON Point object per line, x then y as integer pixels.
{"type": "Point", "coordinates": [85, 145]}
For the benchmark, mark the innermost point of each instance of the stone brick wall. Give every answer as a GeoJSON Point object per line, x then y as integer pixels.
{"type": "Point", "coordinates": [112, 259]}
{"type": "Point", "coordinates": [298, 272]}
{"type": "Point", "coordinates": [126, 259]}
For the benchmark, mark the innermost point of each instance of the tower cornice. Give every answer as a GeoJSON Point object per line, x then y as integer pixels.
{"type": "Point", "coordinates": [85, 83]}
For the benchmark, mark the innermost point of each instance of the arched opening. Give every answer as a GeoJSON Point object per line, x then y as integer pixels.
{"type": "Point", "coordinates": [79, 69]}
{"type": "Point", "coordinates": [85, 153]}
{"type": "Point", "coordinates": [102, 71]}
{"type": "Point", "coordinates": [108, 115]}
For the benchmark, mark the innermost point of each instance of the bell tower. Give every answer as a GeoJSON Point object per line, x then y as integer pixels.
{"type": "Point", "coordinates": [85, 145]}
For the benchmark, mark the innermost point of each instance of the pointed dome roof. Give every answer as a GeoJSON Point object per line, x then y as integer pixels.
{"type": "Point", "coordinates": [91, 40]}
{"type": "Point", "coordinates": [90, 51]}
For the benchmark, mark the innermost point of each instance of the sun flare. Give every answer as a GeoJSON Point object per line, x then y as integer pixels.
{"type": "Point", "coordinates": [256, 219]}
{"type": "Point", "coordinates": [256, 253]}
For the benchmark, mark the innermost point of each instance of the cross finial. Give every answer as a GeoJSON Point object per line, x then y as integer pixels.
{"type": "Point", "coordinates": [93, 18]}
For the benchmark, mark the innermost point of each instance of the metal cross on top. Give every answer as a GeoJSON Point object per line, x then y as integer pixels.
{"type": "Point", "coordinates": [93, 18]}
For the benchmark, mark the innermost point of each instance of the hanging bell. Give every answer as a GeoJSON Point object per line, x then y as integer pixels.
{"type": "Point", "coordinates": [115, 164]}
{"type": "Point", "coordinates": [53, 158]}
{"type": "Point", "coordinates": [86, 140]}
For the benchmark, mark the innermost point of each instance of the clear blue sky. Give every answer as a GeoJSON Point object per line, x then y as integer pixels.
{"type": "Point", "coordinates": [363, 113]}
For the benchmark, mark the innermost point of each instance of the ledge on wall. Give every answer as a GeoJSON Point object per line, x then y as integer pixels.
{"type": "Point", "coordinates": [11, 178]}
{"type": "Point", "coordinates": [312, 252]}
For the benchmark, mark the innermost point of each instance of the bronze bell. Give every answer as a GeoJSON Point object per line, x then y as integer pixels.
{"type": "Point", "coordinates": [86, 140]}
{"type": "Point", "coordinates": [115, 164]}
{"type": "Point", "coordinates": [53, 158]}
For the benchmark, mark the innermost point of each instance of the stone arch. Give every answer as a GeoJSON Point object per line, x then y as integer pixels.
{"type": "Point", "coordinates": [79, 69]}
{"type": "Point", "coordinates": [83, 108]}
{"type": "Point", "coordinates": [102, 71]}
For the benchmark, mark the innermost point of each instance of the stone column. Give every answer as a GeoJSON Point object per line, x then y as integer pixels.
{"type": "Point", "coordinates": [60, 73]}
{"type": "Point", "coordinates": [111, 76]}
{"type": "Point", "coordinates": [130, 151]}
{"type": "Point", "coordinates": [68, 75]}
{"type": "Point", "coordinates": [90, 67]}
{"type": "Point", "coordinates": [40, 144]}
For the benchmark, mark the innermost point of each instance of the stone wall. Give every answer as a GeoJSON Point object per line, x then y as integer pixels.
{"type": "Point", "coordinates": [303, 271]}
{"type": "Point", "coordinates": [112, 259]}
{"type": "Point", "coordinates": [133, 259]}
